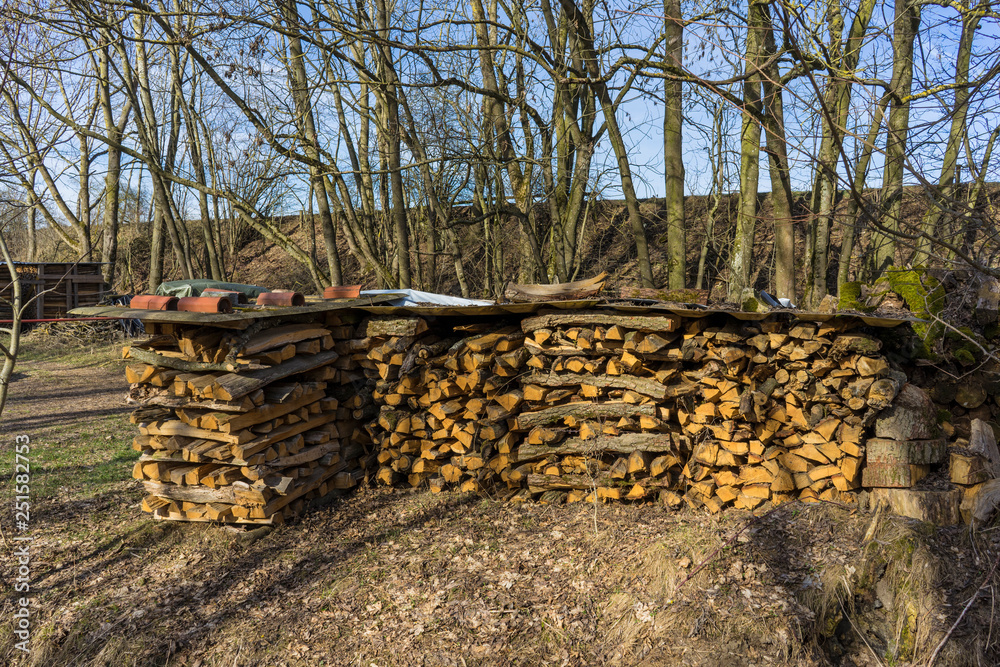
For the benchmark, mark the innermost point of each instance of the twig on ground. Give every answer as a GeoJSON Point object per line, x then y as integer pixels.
{"type": "Point", "coordinates": [4, 536]}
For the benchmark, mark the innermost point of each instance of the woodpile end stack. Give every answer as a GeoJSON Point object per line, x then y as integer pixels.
{"type": "Point", "coordinates": [243, 426]}
{"type": "Point", "coordinates": [727, 412]}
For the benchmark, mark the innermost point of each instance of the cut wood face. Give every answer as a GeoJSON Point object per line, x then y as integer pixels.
{"type": "Point", "coordinates": [624, 399]}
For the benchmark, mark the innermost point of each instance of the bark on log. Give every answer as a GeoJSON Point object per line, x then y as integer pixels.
{"type": "Point", "coordinates": [565, 482]}
{"type": "Point", "coordinates": [582, 410]}
{"type": "Point", "coordinates": [162, 361]}
{"type": "Point", "coordinates": [645, 323]}
{"type": "Point", "coordinates": [643, 386]}
{"type": "Point", "coordinates": [621, 444]}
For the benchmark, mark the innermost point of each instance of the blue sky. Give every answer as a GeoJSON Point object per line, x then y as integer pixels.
{"type": "Point", "coordinates": [641, 116]}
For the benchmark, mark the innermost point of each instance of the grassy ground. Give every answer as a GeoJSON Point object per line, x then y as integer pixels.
{"type": "Point", "coordinates": [405, 578]}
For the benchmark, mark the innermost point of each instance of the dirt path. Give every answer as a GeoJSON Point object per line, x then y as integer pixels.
{"type": "Point", "coordinates": [45, 395]}
{"type": "Point", "coordinates": [414, 578]}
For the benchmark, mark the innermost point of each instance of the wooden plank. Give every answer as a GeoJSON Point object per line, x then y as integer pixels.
{"type": "Point", "coordinates": [152, 358]}
{"type": "Point", "coordinates": [305, 456]}
{"type": "Point", "coordinates": [240, 318]}
{"type": "Point", "coordinates": [644, 323]}
{"type": "Point", "coordinates": [625, 443]}
{"type": "Point", "coordinates": [243, 404]}
{"type": "Point", "coordinates": [303, 487]}
{"type": "Point", "coordinates": [192, 494]}
{"type": "Point", "coordinates": [582, 410]}
{"type": "Point", "coordinates": [477, 311]}
{"type": "Point", "coordinates": [177, 427]}
{"type": "Point", "coordinates": [229, 423]}
{"type": "Point", "coordinates": [243, 450]}
{"type": "Point", "coordinates": [282, 335]}
{"type": "Point", "coordinates": [232, 386]}
{"type": "Point", "coordinates": [686, 296]}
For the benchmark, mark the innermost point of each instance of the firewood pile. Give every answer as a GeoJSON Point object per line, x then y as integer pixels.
{"type": "Point", "coordinates": [245, 426]}
{"type": "Point", "coordinates": [607, 405]}
{"type": "Point", "coordinates": [599, 417]}
{"type": "Point", "coordinates": [444, 398]}
{"type": "Point", "coordinates": [950, 428]}
{"type": "Point", "coordinates": [556, 406]}
{"type": "Point", "coordinates": [785, 412]}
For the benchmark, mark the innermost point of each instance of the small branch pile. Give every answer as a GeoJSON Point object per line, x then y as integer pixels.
{"type": "Point", "coordinates": [245, 426]}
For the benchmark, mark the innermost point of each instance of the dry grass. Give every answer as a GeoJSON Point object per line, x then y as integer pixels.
{"type": "Point", "coordinates": [396, 578]}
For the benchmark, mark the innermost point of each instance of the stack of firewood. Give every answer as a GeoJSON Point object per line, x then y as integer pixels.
{"type": "Point", "coordinates": [599, 419]}
{"type": "Point", "coordinates": [444, 397]}
{"type": "Point", "coordinates": [607, 405]}
{"type": "Point", "coordinates": [783, 413]}
{"type": "Point", "coordinates": [243, 426]}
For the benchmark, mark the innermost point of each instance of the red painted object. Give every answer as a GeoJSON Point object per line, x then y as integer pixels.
{"type": "Point", "coordinates": [153, 302]}
{"type": "Point", "coordinates": [205, 304]}
{"type": "Point", "coordinates": [342, 292]}
{"type": "Point", "coordinates": [281, 299]}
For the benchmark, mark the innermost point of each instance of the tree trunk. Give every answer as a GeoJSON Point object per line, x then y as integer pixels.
{"type": "Point", "coordinates": [176, 226]}
{"type": "Point", "coordinates": [581, 26]}
{"type": "Point", "coordinates": [854, 220]}
{"type": "Point", "coordinates": [496, 129]}
{"type": "Point", "coordinates": [777, 159]}
{"type": "Point", "coordinates": [944, 196]}
{"type": "Point", "coordinates": [112, 181]}
{"type": "Point", "coordinates": [155, 252]}
{"type": "Point", "coordinates": [834, 117]}
{"type": "Point", "coordinates": [716, 162]}
{"type": "Point", "coordinates": [32, 219]}
{"type": "Point", "coordinates": [109, 248]}
{"type": "Point", "coordinates": [299, 84]}
{"type": "Point", "coordinates": [83, 199]}
{"type": "Point", "coordinates": [673, 160]}
{"type": "Point", "coordinates": [392, 145]}
{"type": "Point", "coordinates": [211, 247]}
{"type": "Point", "coordinates": [746, 221]}
{"type": "Point", "coordinates": [905, 25]}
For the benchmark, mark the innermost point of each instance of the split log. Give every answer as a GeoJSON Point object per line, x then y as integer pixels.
{"type": "Point", "coordinates": [644, 386]}
{"type": "Point", "coordinates": [233, 386]}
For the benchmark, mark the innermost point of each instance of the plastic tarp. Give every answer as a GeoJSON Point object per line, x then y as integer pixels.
{"type": "Point", "coordinates": [183, 288]}
{"type": "Point", "coordinates": [412, 297]}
